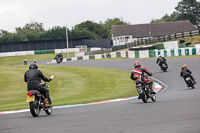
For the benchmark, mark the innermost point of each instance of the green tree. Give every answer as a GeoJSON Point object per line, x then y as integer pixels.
{"type": "Point", "coordinates": [93, 27]}
{"type": "Point", "coordinates": [31, 31]}
{"type": "Point", "coordinates": [108, 26]}
{"type": "Point", "coordinates": [81, 33]}
{"type": "Point", "coordinates": [189, 10]}
{"type": "Point", "coordinates": [166, 18]}
{"type": "Point", "coordinates": [56, 32]}
{"type": "Point", "coordinates": [185, 10]}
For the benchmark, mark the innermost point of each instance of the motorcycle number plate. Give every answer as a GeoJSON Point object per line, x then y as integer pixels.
{"type": "Point", "coordinates": [30, 98]}
{"type": "Point", "coordinates": [188, 78]}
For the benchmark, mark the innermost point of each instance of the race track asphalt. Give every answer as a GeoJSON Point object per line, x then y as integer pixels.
{"type": "Point", "coordinates": [177, 109]}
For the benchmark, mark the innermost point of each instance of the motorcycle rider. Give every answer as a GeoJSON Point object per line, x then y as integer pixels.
{"type": "Point", "coordinates": [160, 60]}
{"type": "Point", "coordinates": [59, 55]}
{"type": "Point", "coordinates": [33, 78]}
{"type": "Point", "coordinates": [25, 62]}
{"type": "Point", "coordinates": [138, 74]}
{"type": "Point", "coordinates": [185, 72]}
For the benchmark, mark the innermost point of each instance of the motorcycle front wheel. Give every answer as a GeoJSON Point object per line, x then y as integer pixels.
{"type": "Point", "coordinates": [34, 108]}
{"type": "Point", "coordinates": [144, 98]}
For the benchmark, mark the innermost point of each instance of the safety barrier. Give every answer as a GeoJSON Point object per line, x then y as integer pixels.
{"type": "Point", "coordinates": [16, 53]}
{"type": "Point", "coordinates": [140, 54]}
{"type": "Point", "coordinates": [19, 53]}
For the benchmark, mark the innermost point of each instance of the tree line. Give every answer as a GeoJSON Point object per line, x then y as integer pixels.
{"type": "Point", "coordinates": [185, 10]}
{"type": "Point", "coordinates": [35, 31]}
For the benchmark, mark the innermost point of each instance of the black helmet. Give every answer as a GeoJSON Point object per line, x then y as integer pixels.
{"type": "Point", "coordinates": [33, 66]}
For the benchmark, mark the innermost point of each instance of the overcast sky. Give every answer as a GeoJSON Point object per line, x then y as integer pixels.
{"type": "Point", "coordinates": [17, 13]}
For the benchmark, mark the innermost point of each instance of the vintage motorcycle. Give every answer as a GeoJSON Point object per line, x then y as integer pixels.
{"type": "Point", "coordinates": [36, 101]}
{"type": "Point", "coordinates": [144, 91]}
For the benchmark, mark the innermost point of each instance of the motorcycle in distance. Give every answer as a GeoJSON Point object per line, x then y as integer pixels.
{"type": "Point", "coordinates": [59, 60]}
{"type": "Point", "coordinates": [36, 101]}
{"type": "Point", "coordinates": [164, 66]}
{"type": "Point", "coordinates": [144, 91]}
{"type": "Point", "coordinates": [190, 82]}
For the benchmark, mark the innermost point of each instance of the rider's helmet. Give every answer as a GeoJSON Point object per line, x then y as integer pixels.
{"type": "Point", "coordinates": [184, 66]}
{"type": "Point", "coordinates": [33, 66]}
{"type": "Point", "coordinates": [159, 55]}
{"type": "Point", "coordinates": [137, 64]}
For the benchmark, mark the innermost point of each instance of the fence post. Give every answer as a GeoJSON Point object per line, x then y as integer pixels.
{"type": "Point", "coordinates": [138, 42]}
{"type": "Point", "coordinates": [164, 38]}
{"type": "Point", "coordinates": [182, 35]}
{"type": "Point", "coordinates": [190, 33]}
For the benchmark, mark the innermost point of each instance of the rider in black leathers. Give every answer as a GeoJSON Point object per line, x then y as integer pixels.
{"type": "Point", "coordinates": [160, 60]}
{"type": "Point", "coordinates": [33, 78]}
{"type": "Point", "coordinates": [59, 55]}
{"type": "Point", "coordinates": [185, 72]}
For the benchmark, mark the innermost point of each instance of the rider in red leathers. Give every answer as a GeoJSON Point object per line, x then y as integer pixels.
{"type": "Point", "coordinates": [138, 74]}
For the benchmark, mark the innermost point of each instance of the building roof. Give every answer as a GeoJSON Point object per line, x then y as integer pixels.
{"type": "Point", "coordinates": [152, 30]}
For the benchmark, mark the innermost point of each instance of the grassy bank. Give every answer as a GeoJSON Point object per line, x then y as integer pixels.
{"type": "Point", "coordinates": [72, 85]}
{"type": "Point", "coordinates": [13, 60]}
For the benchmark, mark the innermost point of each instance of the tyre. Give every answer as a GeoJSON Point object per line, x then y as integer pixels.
{"type": "Point", "coordinates": [164, 67]}
{"type": "Point", "coordinates": [190, 83]}
{"type": "Point", "coordinates": [48, 110]}
{"type": "Point", "coordinates": [144, 98]}
{"type": "Point", "coordinates": [153, 97]}
{"type": "Point", "coordinates": [34, 108]}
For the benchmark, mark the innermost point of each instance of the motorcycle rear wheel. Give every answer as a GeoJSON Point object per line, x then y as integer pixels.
{"type": "Point", "coordinates": [48, 110]}
{"type": "Point", "coordinates": [153, 98]}
{"type": "Point", "coordinates": [34, 108]}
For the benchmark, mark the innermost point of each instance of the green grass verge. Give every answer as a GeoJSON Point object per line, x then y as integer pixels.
{"type": "Point", "coordinates": [13, 60]}
{"type": "Point", "coordinates": [72, 85]}
{"type": "Point", "coordinates": [193, 40]}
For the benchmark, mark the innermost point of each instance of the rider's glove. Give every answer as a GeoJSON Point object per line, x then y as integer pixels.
{"type": "Point", "coordinates": [52, 76]}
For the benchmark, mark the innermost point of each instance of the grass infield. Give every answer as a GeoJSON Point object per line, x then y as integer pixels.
{"type": "Point", "coordinates": [72, 85]}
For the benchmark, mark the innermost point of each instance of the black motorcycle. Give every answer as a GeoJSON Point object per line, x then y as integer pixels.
{"type": "Point", "coordinates": [144, 91]}
{"type": "Point", "coordinates": [59, 59]}
{"type": "Point", "coordinates": [190, 82]}
{"type": "Point", "coordinates": [36, 102]}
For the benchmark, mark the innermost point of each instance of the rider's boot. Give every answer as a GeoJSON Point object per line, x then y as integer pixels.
{"type": "Point", "coordinates": [151, 89]}
{"type": "Point", "coordinates": [46, 102]}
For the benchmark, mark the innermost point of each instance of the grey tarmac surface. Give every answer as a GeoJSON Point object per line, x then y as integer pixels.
{"type": "Point", "coordinates": [177, 109]}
